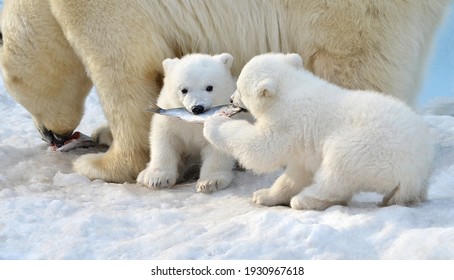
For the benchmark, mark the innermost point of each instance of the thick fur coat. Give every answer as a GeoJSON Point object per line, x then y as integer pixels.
{"type": "Point", "coordinates": [55, 50]}
{"type": "Point", "coordinates": [197, 82]}
{"type": "Point", "coordinates": [333, 142]}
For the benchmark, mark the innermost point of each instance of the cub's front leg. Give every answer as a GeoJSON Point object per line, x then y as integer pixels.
{"type": "Point", "coordinates": [258, 149]}
{"type": "Point", "coordinates": [217, 170]}
{"type": "Point", "coordinates": [162, 170]}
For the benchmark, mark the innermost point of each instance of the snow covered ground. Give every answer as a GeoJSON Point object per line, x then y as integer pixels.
{"type": "Point", "coordinates": [49, 212]}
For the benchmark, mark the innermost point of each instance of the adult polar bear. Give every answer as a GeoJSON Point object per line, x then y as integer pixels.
{"type": "Point", "coordinates": [55, 49]}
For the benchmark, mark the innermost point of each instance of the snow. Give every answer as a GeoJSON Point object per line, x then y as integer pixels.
{"type": "Point", "coordinates": [49, 212]}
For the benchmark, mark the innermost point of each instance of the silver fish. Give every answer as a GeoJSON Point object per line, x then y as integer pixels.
{"type": "Point", "coordinates": [77, 140]}
{"type": "Point", "coordinates": [183, 114]}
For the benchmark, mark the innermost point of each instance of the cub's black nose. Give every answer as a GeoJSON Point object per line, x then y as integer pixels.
{"type": "Point", "coordinates": [231, 100]}
{"type": "Point", "coordinates": [197, 109]}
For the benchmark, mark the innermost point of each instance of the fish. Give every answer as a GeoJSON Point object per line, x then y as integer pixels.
{"type": "Point", "coordinates": [183, 114]}
{"type": "Point", "coordinates": [77, 140]}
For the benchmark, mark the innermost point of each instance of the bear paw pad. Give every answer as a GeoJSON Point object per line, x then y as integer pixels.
{"type": "Point", "coordinates": [213, 184]}
{"type": "Point", "coordinates": [157, 179]}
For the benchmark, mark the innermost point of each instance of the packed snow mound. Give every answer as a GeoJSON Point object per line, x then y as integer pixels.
{"type": "Point", "coordinates": [50, 212]}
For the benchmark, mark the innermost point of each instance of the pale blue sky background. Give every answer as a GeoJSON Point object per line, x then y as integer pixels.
{"type": "Point", "coordinates": [439, 80]}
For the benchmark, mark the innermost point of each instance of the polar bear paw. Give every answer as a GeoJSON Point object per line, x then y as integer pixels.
{"type": "Point", "coordinates": [268, 198]}
{"type": "Point", "coordinates": [301, 202]}
{"type": "Point", "coordinates": [156, 178]}
{"type": "Point", "coordinates": [103, 136]}
{"type": "Point", "coordinates": [106, 167]}
{"type": "Point", "coordinates": [214, 182]}
{"type": "Point", "coordinates": [211, 127]}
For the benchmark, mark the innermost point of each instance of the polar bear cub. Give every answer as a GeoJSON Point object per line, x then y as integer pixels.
{"type": "Point", "coordinates": [198, 82]}
{"type": "Point", "coordinates": [333, 142]}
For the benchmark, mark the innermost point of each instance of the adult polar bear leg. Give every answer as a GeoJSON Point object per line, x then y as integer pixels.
{"type": "Point", "coordinates": [127, 155]}
{"type": "Point", "coordinates": [124, 70]}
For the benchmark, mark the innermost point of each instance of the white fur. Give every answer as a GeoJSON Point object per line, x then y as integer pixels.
{"type": "Point", "coordinates": [332, 142]}
{"type": "Point", "coordinates": [55, 50]}
{"type": "Point", "coordinates": [173, 140]}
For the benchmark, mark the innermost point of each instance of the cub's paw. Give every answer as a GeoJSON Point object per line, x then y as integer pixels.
{"type": "Point", "coordinates": [216, 120]}
{"type": "Point", "coordinates": [157, 179]}
{"type": "Point", "coordinates": [212, 183]}
{"type": "Point", "coordinates": [299, 203]}
{"type": "Point", "coordinates": [303, 202]}
{"type": "Point", "coordinates": [267, 197]}
{"type": "Point", "coordinates": [211, 126]}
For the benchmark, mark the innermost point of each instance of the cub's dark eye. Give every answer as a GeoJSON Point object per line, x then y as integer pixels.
{"type": "Point", "coordinates": [209, 88]}
{"type": "Point", "coordinates": [184, 91]}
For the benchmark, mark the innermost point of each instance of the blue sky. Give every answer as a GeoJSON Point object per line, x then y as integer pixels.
{"type": "Point", "coordinates": [439, 80]}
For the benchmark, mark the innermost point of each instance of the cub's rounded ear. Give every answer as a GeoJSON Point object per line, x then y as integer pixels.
{"type": "Point", "coordinates": [169, 64]}
{"type": "Point", "coordinates": [266, 88]}
{"type": "Point", "coordinates": [294, 59]}
{"type": "Point", "coordinates": [227, 59]}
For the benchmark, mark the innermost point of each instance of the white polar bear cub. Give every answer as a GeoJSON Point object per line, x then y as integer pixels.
{"type": "Point", "coordinates": [333, 142]}
{"type": "Point", "coordinates": [198, 82]}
